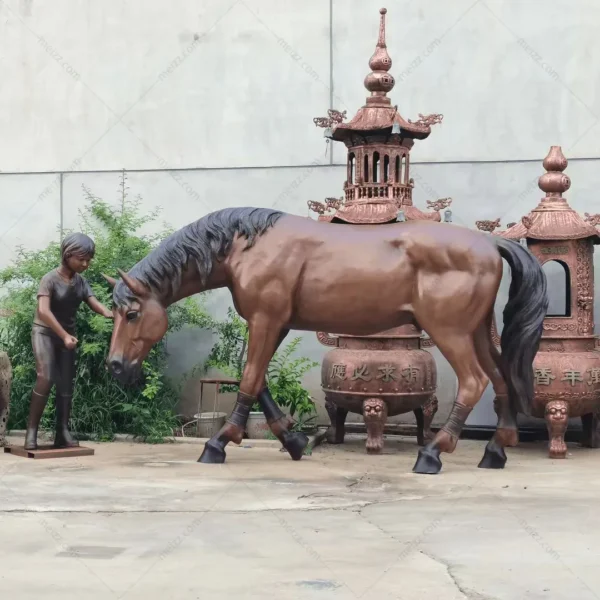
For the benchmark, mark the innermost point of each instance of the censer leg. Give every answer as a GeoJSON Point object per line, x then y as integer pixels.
{"type": "Point", "coordinates": [429, 409]}
{"type": "Point", "coordinates": [590, 437]}
{"type": "Point", "coordinates": [337, 416]}
{"type": "Point", "coordinates": [418, 412]}
{"type": "Point", "coordinates": [375, 416]}
{"type": "Point", "coordinates": [424, 417]}
{"type": "Point", "coordinates": [557, 419]}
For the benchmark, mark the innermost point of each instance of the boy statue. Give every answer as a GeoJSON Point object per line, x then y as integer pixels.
{"type": "Point", "coordinates": [61, 292]}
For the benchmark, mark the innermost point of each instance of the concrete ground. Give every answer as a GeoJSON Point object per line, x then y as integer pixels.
{"type": "Point", "coordinates": [148, 522]}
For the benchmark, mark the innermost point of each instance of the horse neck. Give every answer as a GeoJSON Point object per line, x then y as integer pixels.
{"type": "Point", "coordinates": [191, 283]}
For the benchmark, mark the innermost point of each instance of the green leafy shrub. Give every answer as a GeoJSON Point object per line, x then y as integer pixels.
{"type": "Point", "coordinates": [101, 406]}
{"type": "Point", "coordinates": [284, 378]}
{"type": "Point", "coordinates": [284, 375]}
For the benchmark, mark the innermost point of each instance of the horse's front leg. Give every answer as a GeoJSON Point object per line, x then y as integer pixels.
{"type": "Point", "coordinates": [263, 336]}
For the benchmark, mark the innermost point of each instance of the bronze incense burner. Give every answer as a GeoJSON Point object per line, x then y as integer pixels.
{"type": "Point", "coordinates": [378, 376]}
{"type": "Point", "coordinates": [567, 365]}
{"type": "Point", "coordinates": [389, 373]}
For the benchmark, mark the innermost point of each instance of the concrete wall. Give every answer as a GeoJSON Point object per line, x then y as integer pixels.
{"type": "Point", "coordinates": [210, 104]}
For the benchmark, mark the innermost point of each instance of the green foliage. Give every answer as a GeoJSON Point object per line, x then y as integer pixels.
{"type": "Point", "coordinates": [101, 406]}
{"type": "Point", "coordinates": [284, 378]}
{"type": "Point", "coordinates": [284, 375]}
{"type": "Point", "coordinates": [228, 355]}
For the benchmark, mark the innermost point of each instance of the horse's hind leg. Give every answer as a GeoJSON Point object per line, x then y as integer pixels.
{"type": "Point", "coordinates": [506, 433]}
{"type": "Point", "coordinates": [459, 350]}
{"type": "Point", "coordinates": [263, 336]}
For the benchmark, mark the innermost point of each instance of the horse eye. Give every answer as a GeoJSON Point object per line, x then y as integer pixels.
{"type": "Point", "coordinates": [132, 315]}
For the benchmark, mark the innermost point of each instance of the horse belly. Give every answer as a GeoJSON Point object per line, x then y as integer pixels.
{"type": "Point", "coordinates": [353, 310]}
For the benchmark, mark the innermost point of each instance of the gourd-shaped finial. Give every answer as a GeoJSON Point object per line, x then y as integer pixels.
{"type": "Point", "coordinates": [555, 182]}
{"type": "Point", "coordinates": [379, 81]}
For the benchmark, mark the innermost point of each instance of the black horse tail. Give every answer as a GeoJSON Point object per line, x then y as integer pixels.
{"type": "Point", "coordinates": [523, 322]}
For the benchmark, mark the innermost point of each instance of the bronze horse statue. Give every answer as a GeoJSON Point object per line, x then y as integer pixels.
{"type": "Point", "coordinates": [288, 272]}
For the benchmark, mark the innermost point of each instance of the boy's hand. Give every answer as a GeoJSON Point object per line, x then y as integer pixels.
{"type": "Point", "coordinates": [70, 341]}
{"type": "Point", "coordinates": [99, 308]}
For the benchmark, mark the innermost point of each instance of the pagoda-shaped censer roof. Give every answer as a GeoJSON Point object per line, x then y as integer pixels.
{"type": "Point", "coordinates": [553, 218]}
{"type": "Point", "coordinates": [378, 115]}
{"type": "Point", "coordinates": [378, 186]}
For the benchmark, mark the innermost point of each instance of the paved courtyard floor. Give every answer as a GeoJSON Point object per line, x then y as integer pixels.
{"type": "Point", "coordinates": [149, 522]}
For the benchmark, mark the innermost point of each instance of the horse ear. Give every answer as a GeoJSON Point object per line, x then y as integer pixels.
{"type": "Point", "coordinates": [111, 280]}
{"type": "Point", "coordinates": [134, 285]}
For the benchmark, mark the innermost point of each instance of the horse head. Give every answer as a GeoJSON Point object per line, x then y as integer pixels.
{"type": "Point", "coordinates": [140, 320]}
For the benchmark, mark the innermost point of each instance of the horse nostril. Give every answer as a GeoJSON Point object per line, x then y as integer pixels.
{"type": "Point", "coordinates": [116, 367]}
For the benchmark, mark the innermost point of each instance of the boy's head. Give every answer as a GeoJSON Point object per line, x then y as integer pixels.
{"type": "Point", "coordinates": [77, 250]}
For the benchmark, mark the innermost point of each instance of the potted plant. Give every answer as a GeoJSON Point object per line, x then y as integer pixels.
{"type": "Point", "coordinates": [284, 375]}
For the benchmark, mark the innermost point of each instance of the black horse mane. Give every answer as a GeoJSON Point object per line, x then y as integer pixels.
{"type": "Point", "coordinates": [202, 241]}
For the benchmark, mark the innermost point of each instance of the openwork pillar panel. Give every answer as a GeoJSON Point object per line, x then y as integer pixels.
{"type": "Point", "coordinates": [375, 172]}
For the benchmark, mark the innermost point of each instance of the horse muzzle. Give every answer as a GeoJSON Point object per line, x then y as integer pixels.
{"type": "Point", "coordinates": [122, 370]}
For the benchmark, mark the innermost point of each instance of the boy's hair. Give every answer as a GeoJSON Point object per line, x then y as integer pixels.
{"type": "Point", "coordinates": [77, 244]}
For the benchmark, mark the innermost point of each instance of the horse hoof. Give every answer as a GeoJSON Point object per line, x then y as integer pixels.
{"type": "Point", "coordinates": [212, 455]}
{"type": "Point", "coordinates": [493, 458]}
{"type": "Point", "coordinates": [295, 443]}
{"type": "Point", "coordinates": [428, 461]}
